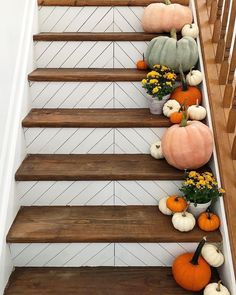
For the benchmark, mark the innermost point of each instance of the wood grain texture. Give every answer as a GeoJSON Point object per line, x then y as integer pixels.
{"type": "Point", "coordinates": [96, 167]}
{"type": "Point", "coordinates": [222, 141]}
{"type": "Point", "coordinates": [99, 224]}
{"type": "Point", "coordinates": [81, 36]}
{"type": "Point", "coordinates": [87, 75]}
{"type": "Point", "coordinates": [95, 118]}
{"type": "Point", "coordinates": [104, 2]}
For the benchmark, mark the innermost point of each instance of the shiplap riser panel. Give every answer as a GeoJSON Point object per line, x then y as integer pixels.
{"type": "Point", "coordinates": [88, 95]}
{"type": "Point", "coordinates": [90, 19]}
{"type": "Point", "coordinates": [97, 254]}
{"type": "Point", "coordinates": [91, 54]}
{"type": "Point", "coordinates": [91, 140]}
{"type": "Point", "coordinates": [79, 193]}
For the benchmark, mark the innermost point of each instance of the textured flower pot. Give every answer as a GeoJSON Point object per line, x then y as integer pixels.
{"type": "Point", "coordinates": [156, 106]}
{"type": "Point", "coordinates": [198, 209]}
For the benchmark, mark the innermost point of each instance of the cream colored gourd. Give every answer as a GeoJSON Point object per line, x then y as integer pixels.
{"type": "Point", "coordinates": [188, 145]}
{"type": "Point", "coordinates": [162, 17]}
{"type": "Point", "coordinates": [212, 255]}
{"type": "Point", "coordinates": [190, 30]}
{"type": "Point", "coordinates": [163, 208]}
{"type": "Point", "coordinates": [156, 150]}
{"type": "Point", "coordinates": [194, 77]}
{"type": "Point", "coordinates": [216, 289]}
{"type": "Point", "coordinates": [171, 52]}
{"type": "Point", "coordinates": [183, 221]}
{"type": "Point", "coordinates": [170, 107]}
{"type": "Point", "coordinates": [197, 112]}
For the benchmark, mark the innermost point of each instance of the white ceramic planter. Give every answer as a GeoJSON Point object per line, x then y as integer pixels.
{"type": "Point", "coordinates": [198, 209]}
{"type": "Point", "coordinates": [156, 106]}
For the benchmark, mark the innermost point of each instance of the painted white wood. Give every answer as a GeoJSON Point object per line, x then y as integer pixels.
{"type": "Point", "coordinates": [88, 95]}
{"type": "Point", "coordinates": [63, 254]}
{"type": "Point", "coordinates": [97, 254]}
{"type": "Point", "coordinates": [128, 19]}
{"type": "Point", "coordinates": [62, 193]}
{"type": "Point", "coordinates": [76, 19]}
{"type": "Point", "coordinates": [91, 140]}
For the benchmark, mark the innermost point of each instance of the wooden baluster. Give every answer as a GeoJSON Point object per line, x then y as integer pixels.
{"type": "Point", "coordinates": [213, 12]}
{"type": "Point", "coordinates": [234, 149]}
{"type": "Point", "coordinates": [232, 116]}
{"type": "Point", "coordinates": [225, 65]}
{"type": "Point", "coordinates": [208, 2]}
{"type": "Point", "coordinates": [229, 86]}
{"type": "Point", "coordinates": [221, 44]}
{"type": "Point", "coordinates": [217, 25]}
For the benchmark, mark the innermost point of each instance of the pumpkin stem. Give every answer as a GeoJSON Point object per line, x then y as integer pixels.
{"type": "Point", "coordinates": [183, 79]}
{"type": "Point", "coordinates": [198, 251]}
{"type": "Point", "coordinates": [143, 57]}
{"type": "Point", "coordinates": [173, 34]}
{"type": "Point", "coordinates": [218, 289]}
{"type": "Point", "coordinates": [184, 121]}
{"type": "Point", "coordinates": [167, 2]}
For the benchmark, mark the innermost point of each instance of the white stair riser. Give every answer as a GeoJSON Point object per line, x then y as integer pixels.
{"type": "Point", "coordinates": [90, 19]}
{"type": "Point", "coordinates": [79, 193]}
{"type": "Point", "coordinates": [88, 95]}
{"type": "Point", "coordinates": [97, 254]}
{"type": "Point", "coordinates": [91, 140]}
{"type": "Point", "coordinates": [89, 54]}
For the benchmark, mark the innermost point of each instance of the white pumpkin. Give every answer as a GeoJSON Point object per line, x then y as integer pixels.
{"type": "Point", "coordinates": [212, 255]}
{"type": "Point", "coordinates": [183, 221]}
{"type": "Point", "coordinates": [163, 208]}
{"type": "Point", "coordinates": [216, 289]}
{"type": "Point", "coordinates": [194, 78]}
{"type": "Point", "coordinates": [190, 30]}
{"type": "Point", "coordinates": [156, 150]}
{"type": "Point", "coordinates": [197, 112]}
{"type": "Point", "coordinates": [170, 107]}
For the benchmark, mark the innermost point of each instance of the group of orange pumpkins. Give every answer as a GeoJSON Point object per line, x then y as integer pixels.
{"type": "Point", "coordinates": [192, 271]}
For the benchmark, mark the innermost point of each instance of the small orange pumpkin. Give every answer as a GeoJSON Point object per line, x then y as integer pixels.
{"type": "Point", "coordinates": [208, 221]}
{"type": "Point", "coordinates": [186, 95]}
{"type": "Point", "coordinates": [191, 271]}
{"type": "Point", "coordinates": [176, 203]}
{"type": "Point", "coordinates": [176, 117]}
{"type": "Point", "coordinates": [141, 64]}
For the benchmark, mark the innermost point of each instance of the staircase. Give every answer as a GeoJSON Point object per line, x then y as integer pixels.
{"type": "Point", "coordinates": [89, 222]}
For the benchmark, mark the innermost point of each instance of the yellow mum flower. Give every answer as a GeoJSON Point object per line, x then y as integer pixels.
{"type": "Point", "coordinates": [169, 83]}
{"type": "Point", "coordinates": [152, 81]}
{"type": "Point", "coordinates": [221, 190]}
{"type": "Point", "coordinates": [170, 76]}
{"type": "Point", "coordinates": [209, 186]}
{"type": "Point", "coordinates": [192, 174]}
{"type": "Point", "coordinates": [189, 182]}
{"type": "Point", "coordinates": [144, 81]}
{"type": "Point", "coordinates": [208, 173]}
{"type": "Point", "coordinates": [155, 90]}
{"type": "Point", "coordinates": [198, 186]}
{"type": "Point", "coordinates": [157, 66]}
{"type": "Point", "coordinates": [200, 177]}
{"type": "Point", "coordinates": [152, 74]}
{"type": "Point", "coordinates": [202, 182]}
{"type": "Point", "coordinates": [164, 68]}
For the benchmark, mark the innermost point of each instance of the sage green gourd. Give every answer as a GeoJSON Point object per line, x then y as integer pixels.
{"type": "Point", "coordinates": [171, 52]}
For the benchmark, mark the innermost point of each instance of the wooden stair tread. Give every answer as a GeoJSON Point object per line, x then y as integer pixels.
{"type": "Point", "coordinates": [104, 2]}
{"type": "Point", "coordinates": [90, 36]}
{"type": "Point", "coordinates": [95, 281]}
{"type": "Point", "coordinates": [96, 167]}
{"type": "Point", "coordinates": [95, 118]}
{"type": "Point", "coordinates": [99, 224]}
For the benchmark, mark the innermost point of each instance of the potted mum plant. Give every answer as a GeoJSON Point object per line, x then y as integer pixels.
{"type": "Point", "coordinates": [159, 84]}
{"type": "Point", "coordinates": [200, 190]}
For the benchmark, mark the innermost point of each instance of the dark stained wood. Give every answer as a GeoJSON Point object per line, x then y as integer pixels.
{"type": "Point", "coordinates": [99, 224]}
{"type": "Point", "coordinates": [80, 36]}
{"type": "Point", "coordinates": [96, 167]}
{"type": "Point", "coordinates": [90, 75]}
{"type": "Point", "coordinates": [95, 281]}
{"type": "Point", "coordinates": [104, 2]}
{"type": "Point", "coordinates": [97, 118]}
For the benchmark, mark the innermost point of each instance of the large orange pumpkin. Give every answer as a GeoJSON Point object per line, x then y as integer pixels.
{"type": "Point", "coordinates": [188, 145]}
{"type": "Point", "coordinates": [191, 271]}
{"type": "Point", "coordinates": [208, 221]}
{"type": "Point", "coordinates": [160, 17]}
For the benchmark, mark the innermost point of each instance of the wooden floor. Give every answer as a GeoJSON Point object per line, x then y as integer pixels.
{"type": "Point", "coordinates": [99, 224]}
{"type": "Point", "coordinates": [97, 167]}
{"type": "Point", "coordinates": [94, 281]}
{"type": "Point", "coordinates": [97, 118]}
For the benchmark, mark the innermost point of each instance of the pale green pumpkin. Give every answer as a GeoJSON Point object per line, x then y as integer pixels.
{"type": "Point", "coordinates": [172, 53]}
